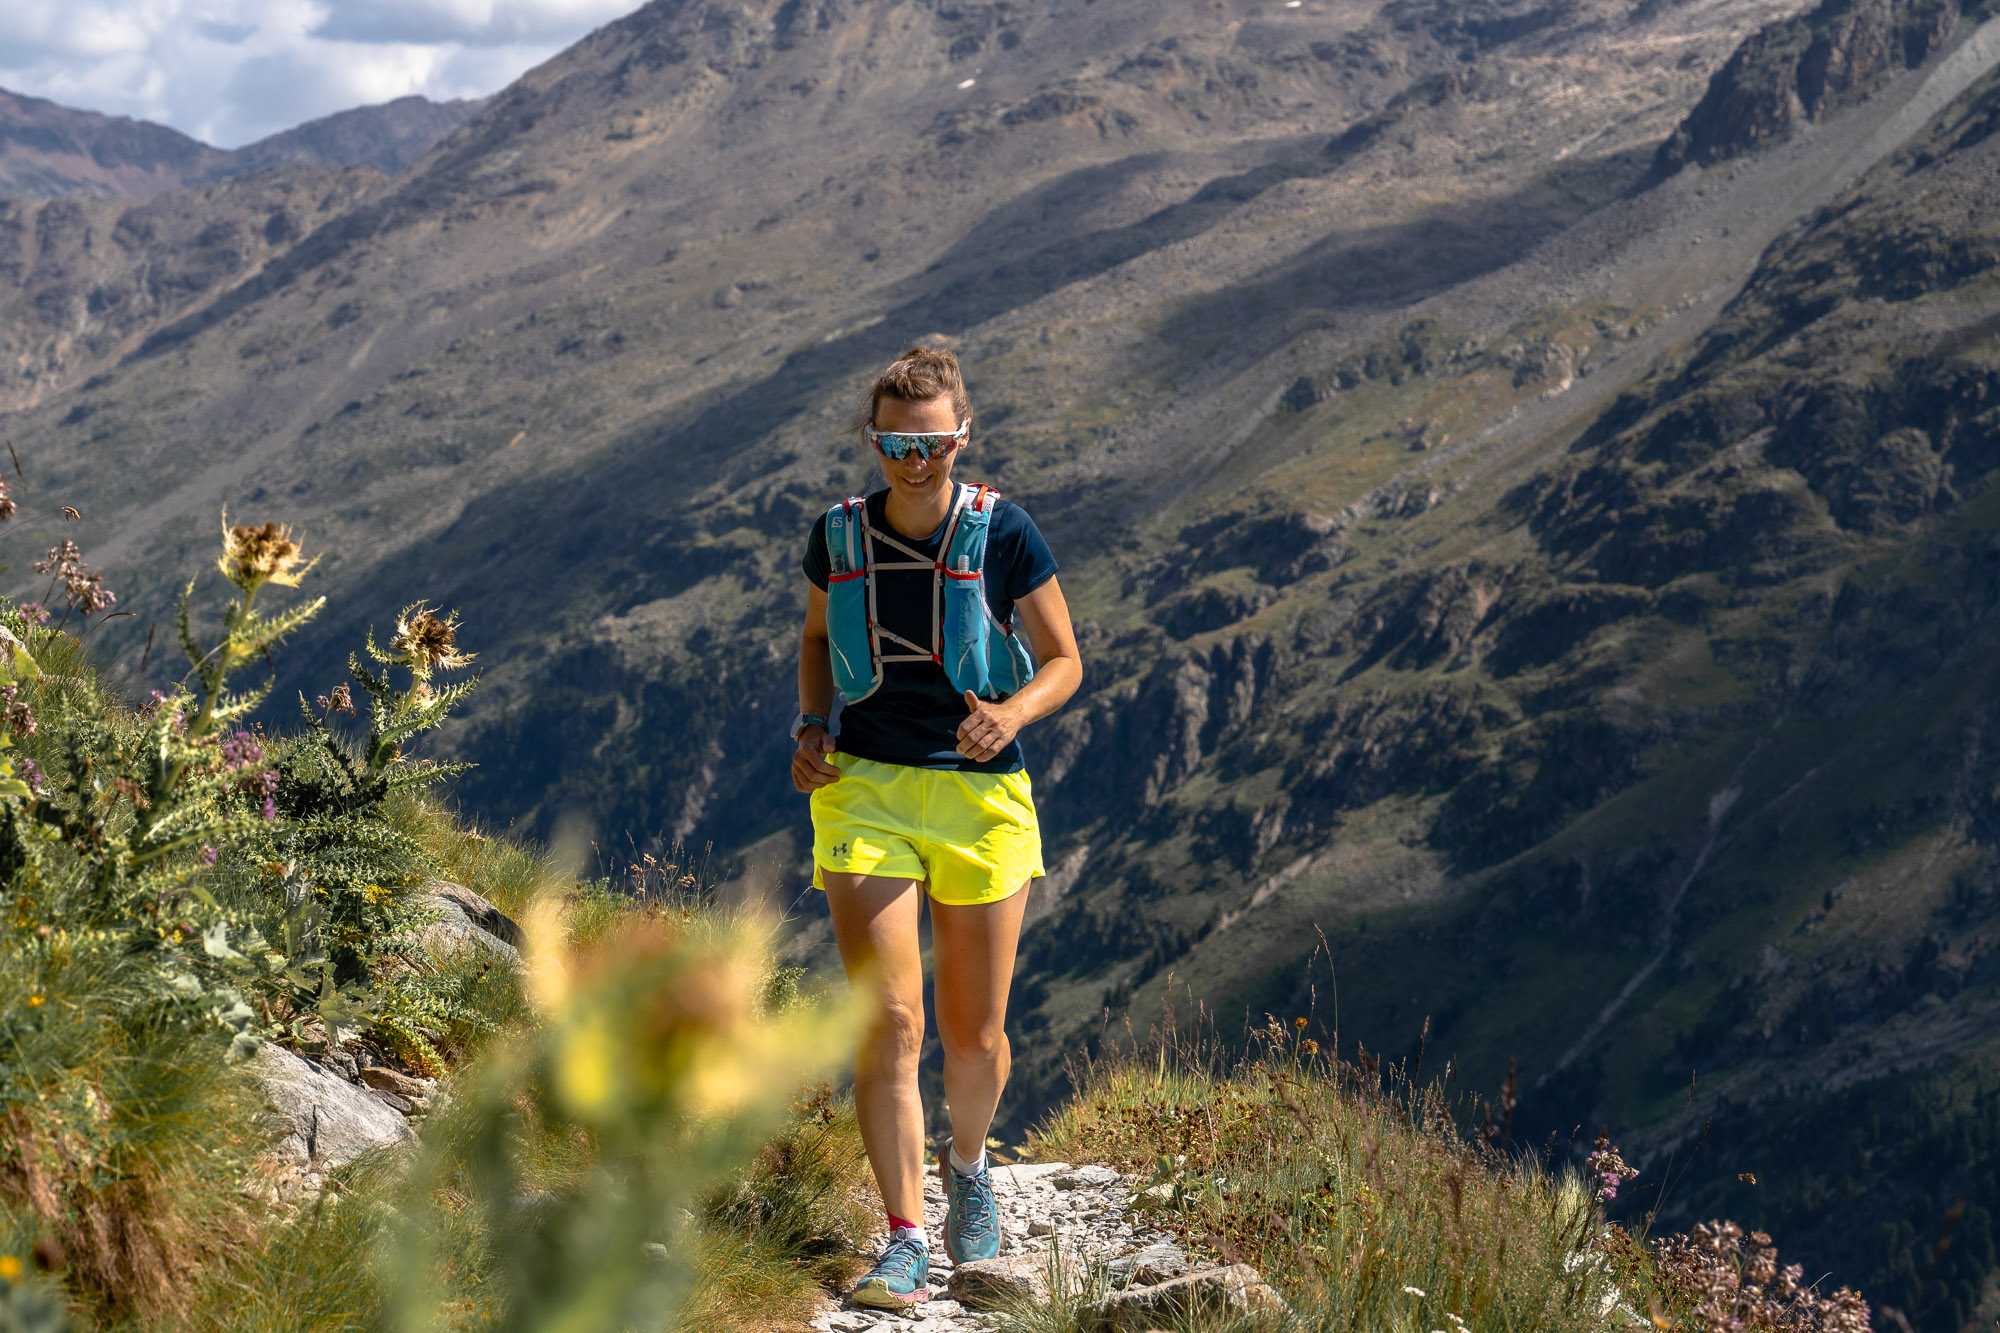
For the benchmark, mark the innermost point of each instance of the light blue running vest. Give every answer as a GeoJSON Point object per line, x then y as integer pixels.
{"type": "Point", "coordinates": [977, 651]}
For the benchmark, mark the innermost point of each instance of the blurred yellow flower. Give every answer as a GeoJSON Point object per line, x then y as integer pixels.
{"type": "Point", "coordinates": [10, 1267]}
{"type": "Point", "coordinates": [35, 1001]}
{"type": "Point", "coordinates": [545, 955]}
{"type": "Point", "coordinates": [586, 1072]}
{"type": "Point", "coordinates": [718, 1080]}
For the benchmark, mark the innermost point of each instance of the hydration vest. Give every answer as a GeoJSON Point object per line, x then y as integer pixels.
{"type": "Point", "coordinates": [976, 651]}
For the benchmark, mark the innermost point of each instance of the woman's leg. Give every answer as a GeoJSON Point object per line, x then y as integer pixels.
{"type": "Point", "coordinates": [875, 923]}
{"type": "Point", "coordinates": [974, 954]}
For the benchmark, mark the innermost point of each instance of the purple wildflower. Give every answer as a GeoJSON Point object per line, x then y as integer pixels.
{"type": "Point", "coordinates": [240, 750]}
{"type": "Point", "coordinates": [34, 613]}
{"type": "Point", "coordinates": [61, 559]}
{"type": "Point", "coordinates": [266, 785]}
{"type": "Point", "coordinates": [31, 773]}
{"type": "Point", "coordinates": [207, 855]}
{"type": "Point", "coordinates": [1608, 1169]}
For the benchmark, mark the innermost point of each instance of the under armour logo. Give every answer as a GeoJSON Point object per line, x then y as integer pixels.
{"type": "Point", "coordinates": [840, 851]}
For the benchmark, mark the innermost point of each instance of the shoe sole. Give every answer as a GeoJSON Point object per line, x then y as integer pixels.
{"type": "Point", "coordinates": [877, 1296]}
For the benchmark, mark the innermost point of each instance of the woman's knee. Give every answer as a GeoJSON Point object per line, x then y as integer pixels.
{"type": "Point", "coordinates": [972, 1041]}
{"type": "Point", "coordinates": [896, 1033]}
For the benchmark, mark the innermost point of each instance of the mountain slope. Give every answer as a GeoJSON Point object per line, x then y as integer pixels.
{"type": "Point", "coordinates": [1561, 584]}
{"type": "Point", "coordinates": [87, 278]}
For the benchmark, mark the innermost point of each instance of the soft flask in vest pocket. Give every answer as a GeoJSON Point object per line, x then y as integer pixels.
{"type": "Point", "coordinates": [851, 646]}
{"type": "Point", "coordinates": [981, 654]}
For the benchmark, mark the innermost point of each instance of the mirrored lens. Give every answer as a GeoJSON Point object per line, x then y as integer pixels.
{"type": "Point", "coordinates": [926, 446]}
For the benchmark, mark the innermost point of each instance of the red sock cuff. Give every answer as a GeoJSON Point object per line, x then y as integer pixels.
{"type": "Point", "coordinates": [895, 1221]}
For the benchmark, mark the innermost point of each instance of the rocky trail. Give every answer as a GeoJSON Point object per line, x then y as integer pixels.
{"type": "Point", "coordinates": [1073, 1226]}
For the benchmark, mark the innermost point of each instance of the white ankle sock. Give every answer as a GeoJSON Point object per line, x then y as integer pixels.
{"type": "Point", "coordinates": [963, 1167]}
{"type": "Point", "coordinates": [909, 1233]}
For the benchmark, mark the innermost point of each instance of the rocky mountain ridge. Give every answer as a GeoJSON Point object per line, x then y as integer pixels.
{"type": "Point", "coordinates": [51, 151]}
{"type": "Point", "coordinates": [1795, 72]}
{"type": "Point", "coordinates": [47, 150]}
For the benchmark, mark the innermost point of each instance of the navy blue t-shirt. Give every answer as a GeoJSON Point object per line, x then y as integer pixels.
{"type": "Point", "coordinates": [913, 717]}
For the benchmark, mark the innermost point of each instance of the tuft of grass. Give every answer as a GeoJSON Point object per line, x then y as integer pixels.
{"type": "Point", "coordinates": [1349, 1186]}
{"type": "Point", "coordinates": [124, 1143]}
{"type": "Point", "coordinates": [502, 870]}
{"type": "Point", "coordinates": [791, 1225]}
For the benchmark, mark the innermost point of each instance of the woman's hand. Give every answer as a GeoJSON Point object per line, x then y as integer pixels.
{"type": "Point", "coordinates": [810, 770]}
{"type": "Point", "coordinates": [989, 729]}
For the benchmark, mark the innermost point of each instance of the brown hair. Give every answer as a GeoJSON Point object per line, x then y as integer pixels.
{"type": "Point", "coordinates": [918, 375]}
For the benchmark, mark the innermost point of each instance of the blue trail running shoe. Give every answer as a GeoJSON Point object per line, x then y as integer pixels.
{"type": "Point", "coordinates": [971, 1218]}
{"type": "Point", "coordinates": [899, 1279]}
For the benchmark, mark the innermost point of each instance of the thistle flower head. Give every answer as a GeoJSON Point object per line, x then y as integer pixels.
{"type": "Point", "coordinates": [426, 641]}
{"type": "Point", "coordinates": [254, 555]}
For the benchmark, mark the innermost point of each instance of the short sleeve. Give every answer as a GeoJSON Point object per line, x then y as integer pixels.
{"type": "Point", "coordinates": [817, 564]}
{"type": "Point", "coordinates": [1032, 563]}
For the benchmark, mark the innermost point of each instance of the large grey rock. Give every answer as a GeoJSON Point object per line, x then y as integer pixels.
{"type": "Point", "coordinates": [1232, 1291]}
{"type": "Point", "coordinates": [467, 921]}
{"type": "Point", "coordinates": [997, 1284]}
{"type": "Point", "coordinates": [322, 1121]}
{"type": "Point", "coordinates": [1023, 1173]}
{"type": "Point", "coordinates": [1153, 1264]}
{"type": "Point", "coordinates": [1086, 1177]}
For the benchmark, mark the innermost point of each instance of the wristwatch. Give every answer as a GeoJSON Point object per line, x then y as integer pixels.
{"type": "Point", "coordinates": [804, 720]}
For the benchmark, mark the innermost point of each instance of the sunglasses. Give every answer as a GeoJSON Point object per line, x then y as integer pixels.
{"type": "Point", "coordinates": [928, 444]}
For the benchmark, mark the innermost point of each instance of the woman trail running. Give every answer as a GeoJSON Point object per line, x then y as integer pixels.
{"type": "Point", "coordinates": [925, 793]}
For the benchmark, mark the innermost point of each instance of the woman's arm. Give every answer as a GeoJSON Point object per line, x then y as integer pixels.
{"type": "Point", "coordinates": [809, 769]}
{"type": "Point", "coordinates": [990, 727]}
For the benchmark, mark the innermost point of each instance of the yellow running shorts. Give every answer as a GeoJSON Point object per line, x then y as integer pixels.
{"type": "Point", "coordinates": [972, 835]}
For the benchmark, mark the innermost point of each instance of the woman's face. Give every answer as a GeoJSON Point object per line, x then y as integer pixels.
{"type": "Point", "coordinates": [917, 478]}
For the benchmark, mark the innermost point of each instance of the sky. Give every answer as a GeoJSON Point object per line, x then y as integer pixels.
{"type": "Point", "coordinates": [232, 71]}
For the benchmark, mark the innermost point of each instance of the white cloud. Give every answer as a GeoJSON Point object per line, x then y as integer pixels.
{"type": "Point", "coordinates": [230, 71]}
{"type": "Point", "coordinates": [474, 22]}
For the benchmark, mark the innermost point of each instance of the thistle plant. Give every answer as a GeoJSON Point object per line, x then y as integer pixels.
{"type": "Point", "coordinates": [136, 804]}
{"type": "Point", "coordinates": [423, 644]}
